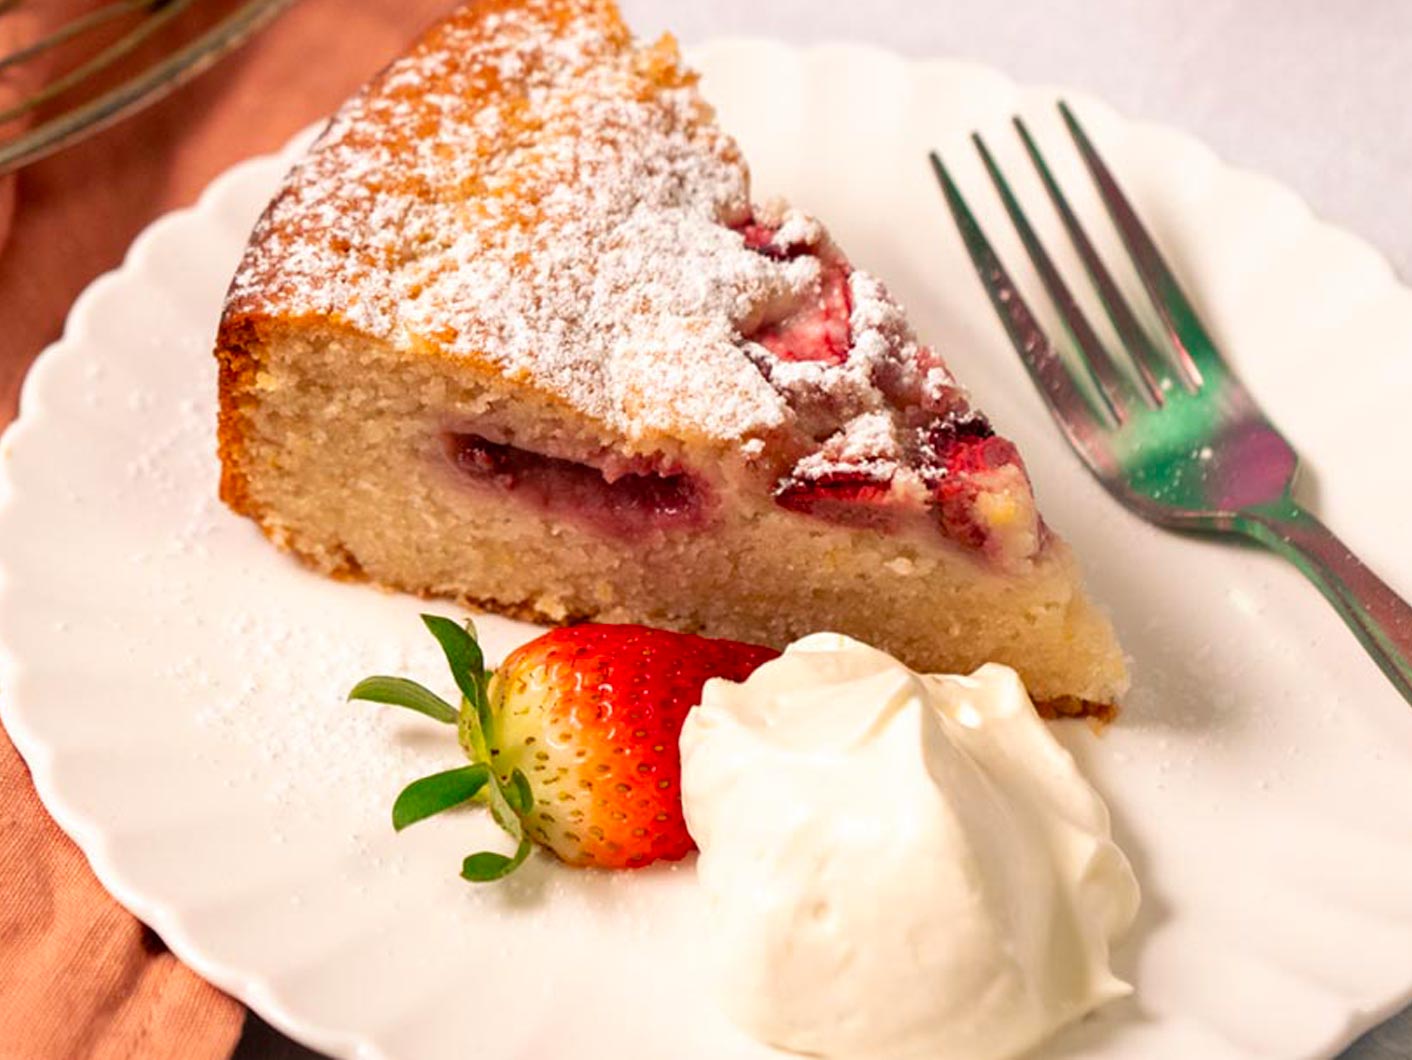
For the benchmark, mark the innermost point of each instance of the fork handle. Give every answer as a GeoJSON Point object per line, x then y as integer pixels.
{"type": "Point", "coordinates": [1380, 618]}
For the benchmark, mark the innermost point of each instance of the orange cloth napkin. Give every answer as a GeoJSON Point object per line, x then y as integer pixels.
{"type": "Point", "coordinates": [79, 976]}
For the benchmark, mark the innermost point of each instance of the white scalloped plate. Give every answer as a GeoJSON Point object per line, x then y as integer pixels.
{"type": "Point", "coordinates": [176, 685]}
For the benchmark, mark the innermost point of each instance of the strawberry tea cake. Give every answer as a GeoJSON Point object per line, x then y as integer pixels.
{"type": "Point", "coordinates": [513, 332]}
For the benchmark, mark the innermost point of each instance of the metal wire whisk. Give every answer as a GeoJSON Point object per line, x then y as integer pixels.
{"type": "Point", "coordinates": [66, 114]}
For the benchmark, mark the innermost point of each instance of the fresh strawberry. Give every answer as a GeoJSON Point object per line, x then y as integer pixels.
{"type": "Point", "coordinates": [591, 715]}
{"type": "Point", "coordinates": [572, 740]}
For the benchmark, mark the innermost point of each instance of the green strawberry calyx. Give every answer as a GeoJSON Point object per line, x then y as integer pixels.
{"type": "Point", "coordinates": [509, 798]}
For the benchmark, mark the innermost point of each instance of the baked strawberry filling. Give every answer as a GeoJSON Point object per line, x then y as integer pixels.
{"type": "Point", "coordinates": [965, 444]}
{"type": "Point", "coordinates": [897, 443]}
{"type": "Point", "coordinates": [957, 453]}
{"type": "Point", "coordinates": [953, 472]}
{"type": "Point", "coordinates": [818, 331]}
{"type": "Point", "coordinates": [628, 504]}
{"type": "Point", "coordinates": [850, 497]}
{"type": "Point", "coordinates": [761, 239]}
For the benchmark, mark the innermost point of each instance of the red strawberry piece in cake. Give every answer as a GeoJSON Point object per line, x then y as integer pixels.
{"type": "Point", "coordinates": [761, 239]}
{"type": "Point", "coordinates": [958, 453]}
{"type": "Point", "coordinates": [629, 503]}
{"type": "Point", "coordinates": [848, 496]}
{"type": "Point", "coordinates": [818, 330]}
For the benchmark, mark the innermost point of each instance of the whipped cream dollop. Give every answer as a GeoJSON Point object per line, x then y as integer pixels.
{"type": "Point", "coordinates": [897, 864]}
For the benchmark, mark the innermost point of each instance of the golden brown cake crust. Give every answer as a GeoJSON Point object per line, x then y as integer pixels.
{"type": "Point", "coordinates": [236, 368]}
{"type": "Point", "coordinates": [504, 196]}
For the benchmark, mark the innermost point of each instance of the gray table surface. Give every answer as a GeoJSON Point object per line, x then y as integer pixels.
{"type": "Point", "coordinates": [1311, 92]}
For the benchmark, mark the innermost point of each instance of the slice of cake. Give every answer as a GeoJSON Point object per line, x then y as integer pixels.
{"type": "Point", "coordinates": [514, 333]}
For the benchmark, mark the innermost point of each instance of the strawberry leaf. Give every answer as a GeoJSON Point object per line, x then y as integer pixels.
{"type": "Point", "coordinates": [488, 865]}
{"type": "Point", "coordinates": [463, 655]}
{"type": "Point", "coordinates": [440, 791]}
{"type": "Point", "coordinates": [503, 812]}
{"type": "Point", "coordinates": [467, 663]}
{"type": "Point", "coordinates": [471, 736]}
{"type": "Point", "coordinates": [505, 806]}
{"type": "Point", "coordinates": [400, 692]}
{"type": "Point", "coordinates": [518, 794]}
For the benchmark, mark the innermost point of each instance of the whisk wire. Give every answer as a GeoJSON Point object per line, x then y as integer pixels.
{"type": "Point", "coordinates": [146, 85]}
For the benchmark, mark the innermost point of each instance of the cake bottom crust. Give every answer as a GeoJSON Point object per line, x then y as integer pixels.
{"type": "Point", "coordinates": [531, 610]}
{"type": "Point", "coordinates": [1053, 708]}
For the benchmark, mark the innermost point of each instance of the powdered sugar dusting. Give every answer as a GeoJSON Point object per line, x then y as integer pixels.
{"type": "Point", "coordinates": [529, 188]}
{"type": "Point", "coordinates": [870, 409]}
{"type": "Point", "coordinates": [868, 443]}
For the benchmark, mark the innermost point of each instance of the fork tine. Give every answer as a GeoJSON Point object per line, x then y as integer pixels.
{"type": "Point", "coordinates": [1196, 353]}
{"type": "Point", "coordinates": [1151, 365]}
{"type": "Point", "coordinates": [1117, 391]}
{"type": "Point", "coordinates": [1067, 402]}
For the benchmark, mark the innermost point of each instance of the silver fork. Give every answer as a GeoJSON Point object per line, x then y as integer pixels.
{"type": "Point", "coordinates": [1175, 437]}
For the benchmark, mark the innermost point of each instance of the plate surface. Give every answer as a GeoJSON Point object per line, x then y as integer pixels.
{"type": "Point", "coordinates": [177, 685]}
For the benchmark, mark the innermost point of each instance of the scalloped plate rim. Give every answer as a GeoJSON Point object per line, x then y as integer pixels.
{"type": "Point", "coordinates": [249, 986]}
